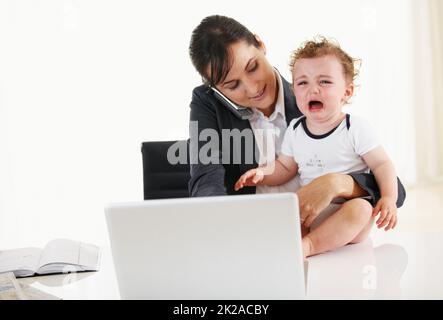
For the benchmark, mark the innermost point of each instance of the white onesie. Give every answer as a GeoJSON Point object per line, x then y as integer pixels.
{"type": "Point", "coordinates": [338, 151]}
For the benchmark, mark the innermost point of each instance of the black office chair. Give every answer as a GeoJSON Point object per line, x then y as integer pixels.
{"type": "Point", "coordinates": [160, 178]}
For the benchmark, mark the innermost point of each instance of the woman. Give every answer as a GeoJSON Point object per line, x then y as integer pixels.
{"type": "Point", "coordinates": [233, 61]}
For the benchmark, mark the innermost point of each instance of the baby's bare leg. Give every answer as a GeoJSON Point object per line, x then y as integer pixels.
{"type": "Point", "coordinates": [304, 231]}
{"type": "Point", "coordinates": [350, 224]}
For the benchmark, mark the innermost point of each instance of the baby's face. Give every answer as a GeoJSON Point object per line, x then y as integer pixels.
{"type": "Point", "coordinates": [320, 88]}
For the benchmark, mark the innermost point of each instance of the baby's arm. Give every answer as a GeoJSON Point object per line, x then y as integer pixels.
{"type": "Point", "coordinates": [276, 173]}
{"type": "Point", "coordinates": [384, 172]}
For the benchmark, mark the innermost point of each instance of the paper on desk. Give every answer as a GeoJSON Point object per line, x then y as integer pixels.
{"type": "Point", "coordinates": [10, 288]}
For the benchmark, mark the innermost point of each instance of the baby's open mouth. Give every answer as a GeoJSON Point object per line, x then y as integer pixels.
{"type": "Point", "coordinates": [315, 105]}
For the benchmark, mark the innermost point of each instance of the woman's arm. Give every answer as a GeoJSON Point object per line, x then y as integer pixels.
{"type": "Point", "coordinates": [319, 193]}
{"type": "Point", "coordinates": [207, 179]}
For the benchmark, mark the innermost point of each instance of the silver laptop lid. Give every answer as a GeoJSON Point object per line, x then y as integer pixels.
{"type": "Point", "coordinates": [227, 247]}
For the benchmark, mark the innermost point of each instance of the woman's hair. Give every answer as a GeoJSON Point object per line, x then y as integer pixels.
{"type": "Point", "coordinates": [209, 46]}
{"type": "Point", "coordinates": [320, 47]}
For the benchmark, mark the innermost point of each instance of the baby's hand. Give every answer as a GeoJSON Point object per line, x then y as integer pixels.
{"type": "Point", "coordinates": [249, 178]}
{"type": "Point", "coordinates": [387, 208]}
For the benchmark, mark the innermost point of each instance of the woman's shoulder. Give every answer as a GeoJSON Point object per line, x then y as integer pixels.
{"type": "Point", "coordinates": [205, 106]}
{"type": "Point", "coordinates": [202, 100]}
{"type": "Point", "coordinates": [202, 93]}
{"type": "Point", "coordinates": [201, 89]}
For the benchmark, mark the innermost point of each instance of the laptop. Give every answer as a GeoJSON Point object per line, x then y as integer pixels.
{"type": "Point", "coordinates": [244, 247]}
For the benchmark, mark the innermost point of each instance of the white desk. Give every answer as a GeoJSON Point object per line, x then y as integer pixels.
{"type": "Point", "coordinates": [391, 265]}
{"type": "Point", "coordinates": [395, 265]}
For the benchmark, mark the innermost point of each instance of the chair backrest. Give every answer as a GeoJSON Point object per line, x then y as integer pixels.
{"type": "Point", "coordinates": [162, 179]}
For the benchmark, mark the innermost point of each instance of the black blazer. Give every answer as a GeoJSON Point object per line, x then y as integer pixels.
{"type": "Point", "coordinates": [218, 178]}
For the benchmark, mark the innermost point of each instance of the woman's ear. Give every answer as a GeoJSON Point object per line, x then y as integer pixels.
{"type": "Point", "coordinates": [261, 43]}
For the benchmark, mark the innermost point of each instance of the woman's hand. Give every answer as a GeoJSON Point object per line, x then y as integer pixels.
{"type": "Point", "coordinates": [249, 178]}
{"type": "Point", "coordinates": [317, 195]}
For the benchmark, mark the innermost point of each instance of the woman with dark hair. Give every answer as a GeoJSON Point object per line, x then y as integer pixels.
{"type": "Point", "coordinates": [225, 143]}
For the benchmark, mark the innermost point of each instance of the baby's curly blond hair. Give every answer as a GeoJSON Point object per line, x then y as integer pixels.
{"type": "Point", "coordinates": [321, 46]}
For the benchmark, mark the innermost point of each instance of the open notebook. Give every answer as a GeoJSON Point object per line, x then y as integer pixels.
{"type": "Point", "coordinates": [58, 256]}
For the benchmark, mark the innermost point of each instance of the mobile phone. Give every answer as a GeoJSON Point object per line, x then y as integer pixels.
{"type": "Point", "coordinates": [240, 112]}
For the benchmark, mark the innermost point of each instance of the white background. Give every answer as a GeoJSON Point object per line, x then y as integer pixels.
{"type": "Point", "coordinates": [83, 83]}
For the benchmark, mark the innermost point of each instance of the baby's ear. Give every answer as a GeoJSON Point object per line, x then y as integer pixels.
{"type": "Point", "coordinates": [349, 92]}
